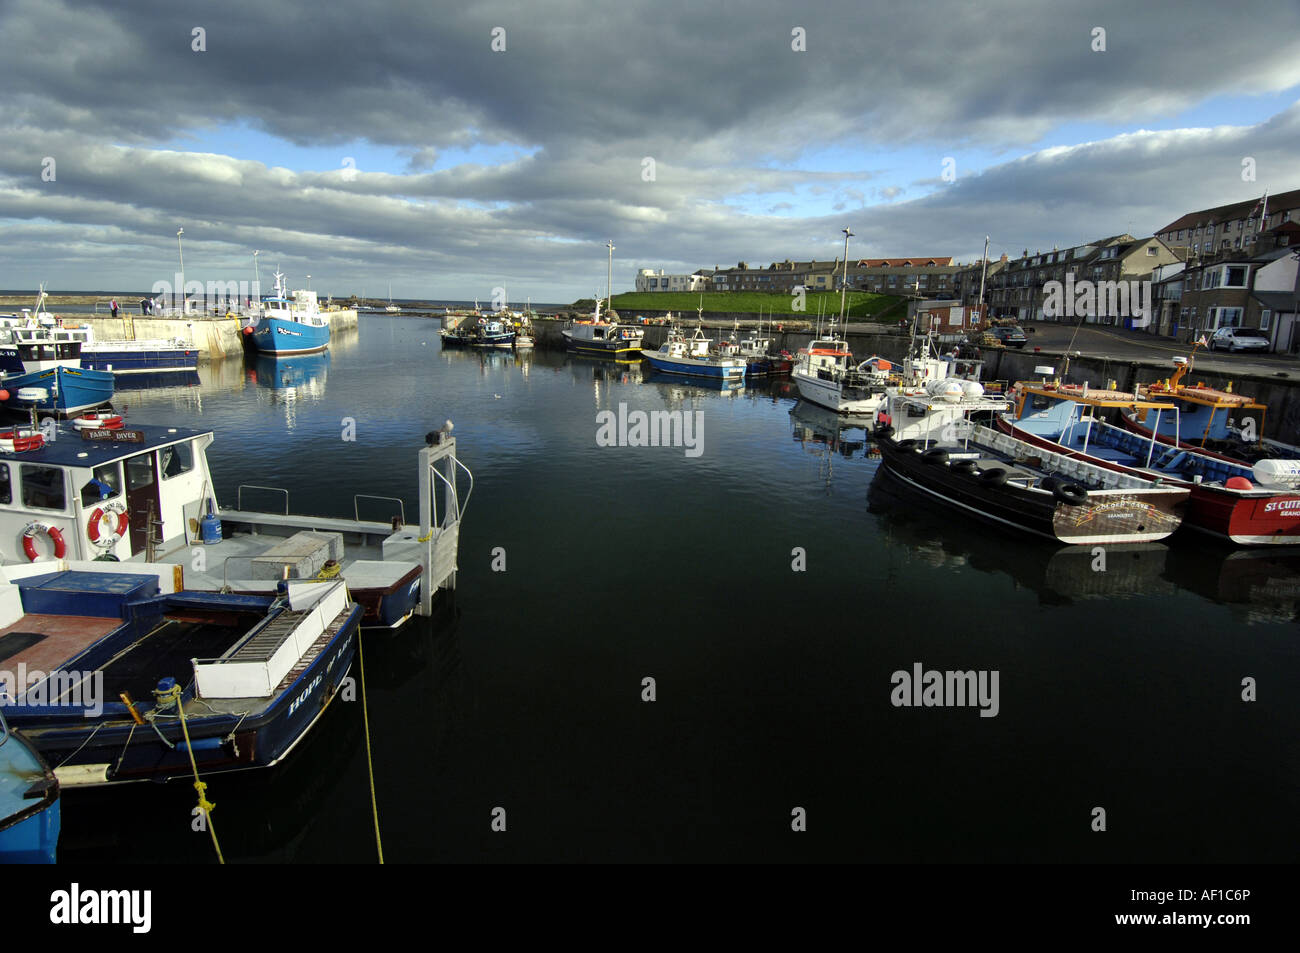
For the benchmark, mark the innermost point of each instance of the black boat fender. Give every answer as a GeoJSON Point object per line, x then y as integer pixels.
{"type": "Point", "coordinates": [1071, 493]}
{"type": "Point", "coordinates": [964, 466]}
{"type": "Point", "coordinates": [994, 476]}
{"type": "Point", "coordinates": [909, 444]}
{"type": "Point", "coordinates": [935, 455]}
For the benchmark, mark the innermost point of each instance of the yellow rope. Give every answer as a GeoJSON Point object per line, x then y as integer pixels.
{"type": "Point", "coordinates": [204, 804]}
{"type": "Point", "coordinates": [370, 764]}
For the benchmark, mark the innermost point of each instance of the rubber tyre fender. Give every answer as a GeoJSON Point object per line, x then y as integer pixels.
{"type": "Point", "coordinates": [994, 476]}
{"type": "Point", "coordinates": [1071, 493]}
{"type": "Point", "coordinates": [935, 455]}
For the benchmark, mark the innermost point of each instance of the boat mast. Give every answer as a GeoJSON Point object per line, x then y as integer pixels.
{"type": "Point", "coordinates": [609, 273]}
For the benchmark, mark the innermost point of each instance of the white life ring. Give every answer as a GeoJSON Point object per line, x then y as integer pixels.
{"type": "Point", "coordinates": [107, 525]}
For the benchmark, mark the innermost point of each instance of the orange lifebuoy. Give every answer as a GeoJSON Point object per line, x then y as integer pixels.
{"type": "Point", "coordinates": [56, 537]}
{"type": "Point", "coordinates": [116, 529]}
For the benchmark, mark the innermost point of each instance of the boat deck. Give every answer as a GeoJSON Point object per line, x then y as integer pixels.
{"type": "Point", "coordinates": [229, 561]}
{"type": "Point", "coordinates": [44, 642]}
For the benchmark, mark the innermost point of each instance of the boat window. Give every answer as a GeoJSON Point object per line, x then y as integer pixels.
{"type": "Point", "coordinates": [139, 472]}
{"type": "Point", "coordinates": [6, 494]}
{"type": "Point", "coordinates": [67, 351]}
{"type": "Point", "coordinates": [1040, 402]}
{"type": "Point", "coordinates": [43, 487]}
{"type": "Point", "coordinates": [104, 484]}
{"type": "Point", "coordinates": [177, 459]}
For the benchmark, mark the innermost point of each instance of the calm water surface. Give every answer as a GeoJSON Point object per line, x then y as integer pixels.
{"type": "Point", "coordinates": [1118, 689]}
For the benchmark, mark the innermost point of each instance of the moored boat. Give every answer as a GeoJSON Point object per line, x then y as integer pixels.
{"type": "Point", "coordinates": [289, 325]}
{"type": "Point", "coordinates": [975, 469]}
{"type": "Point", "coordinates": [142, 495]}
{"type": "Point", "coordinates": [1248, 506]}
{"type": "Point", "coordinates": [30, 811]}
{"type": "Point", "coordinates": [693, 358]}
{"type": "Point", "coordinates": [1210, 420]}
{"type": "Point", "coordinates": [826, 375]}
{"type": "Point", "coordinates": [131, 677]}
{"type": "Point", "coordinates": [604, 337]}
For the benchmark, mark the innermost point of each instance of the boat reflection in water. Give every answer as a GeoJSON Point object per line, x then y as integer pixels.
{"type": "Point", "coordinates": [490, 358]}
{"type": "Point", "coordinates": [825, 434]}
{"type": "Point", "coordinates": [1264, 584]}
{"type": "Point", "coordinates": [1058, 574]}
{"type": "Point", "coordinates": [293, 378]}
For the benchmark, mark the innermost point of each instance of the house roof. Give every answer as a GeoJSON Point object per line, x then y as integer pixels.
{"type": "Point", "coordinates": [1276, 301]}
{"type": "Point", "coordinates": [1221, 213]}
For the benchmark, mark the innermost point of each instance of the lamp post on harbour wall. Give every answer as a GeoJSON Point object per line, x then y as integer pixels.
{"type": "Point", "coordinates": [181, 253]}
{"type": "Point", "coordinates": [844, 285]}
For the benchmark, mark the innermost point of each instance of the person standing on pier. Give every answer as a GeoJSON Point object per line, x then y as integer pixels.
{"type": "Point", "coordinates": [113, 304]}
{"type": "Point", "coordinates": [144, 305]}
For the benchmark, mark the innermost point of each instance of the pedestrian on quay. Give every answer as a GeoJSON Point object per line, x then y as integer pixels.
{"type": "Point", "coordinates": [144, 305]}
{"type": "Point", "coordinates": [113, 304]}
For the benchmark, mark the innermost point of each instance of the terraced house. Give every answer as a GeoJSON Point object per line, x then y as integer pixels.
{"type": "Point", "coordinates": [1021, 287]}
{"type": "Point", "coordinates": [1241, 268]}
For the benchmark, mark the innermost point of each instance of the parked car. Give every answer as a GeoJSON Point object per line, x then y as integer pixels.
{"type": "Point", "coordinates": [1008, 337]}
{"type": "Point", "coordinates": [1238, 339]}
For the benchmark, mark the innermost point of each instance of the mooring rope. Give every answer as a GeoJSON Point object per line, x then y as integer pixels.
{"type": "Point", "coordinates": [370, 763]}
{"type": "Point", "coordinates": [174, 694]}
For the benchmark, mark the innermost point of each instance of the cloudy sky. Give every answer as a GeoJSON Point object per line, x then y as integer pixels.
{"type": "Point", "coordinates": [363, 143]}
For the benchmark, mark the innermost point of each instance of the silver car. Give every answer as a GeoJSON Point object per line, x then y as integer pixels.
{"type": "Point", "coordinates": [1238, 339]}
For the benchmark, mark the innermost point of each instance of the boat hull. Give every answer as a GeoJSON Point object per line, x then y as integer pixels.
{"type": "Point", "coordinates": [688, 367]}
{"type": "Point", "coordinates": [829, 394]}
{"type": "Point", "coordinates": [625, 349]}
{"type": "Point", "coordinates": [1111, 517]}
{"type": "Point", "coordinates": [244, 734]}
{"type": "Point", "coordinates": [69, 390]}
{"type": "Point", "coordinates": [276, 336]}
{"type": "Point", "coordinates": [30, 809]}
{"type": "Point", "coordinates": [143, 361]}
{"type": "Point", "coordinates": [1271, 519]}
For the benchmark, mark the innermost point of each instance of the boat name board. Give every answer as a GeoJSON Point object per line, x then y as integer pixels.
{"type": "Point", "coordinates": [114, 436]}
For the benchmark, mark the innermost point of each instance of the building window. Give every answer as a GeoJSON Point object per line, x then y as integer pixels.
{"type": "Point", "coordinates": [1235, 276]}
{"type": "Point", "coordinates": [1265, 318]}
{"type": "Point", "coordinates": [43, 487]}
{"type": "Point", "coordinates": [6, 492]}
{"type": "Point", "coordinates": [1226, 317]}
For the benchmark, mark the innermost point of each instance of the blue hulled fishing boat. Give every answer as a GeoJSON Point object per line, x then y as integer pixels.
{"type": "Point", "coordinates": [123, 677]}
{"type": "Point", "coordinates": [289, 325]}
{"type": "Point", "coordinates": [691, 358]}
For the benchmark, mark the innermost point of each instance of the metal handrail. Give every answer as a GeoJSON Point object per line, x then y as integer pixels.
{"type": "Point", "coordinates": [239, 496]}
{"type": "Point", "coordinates": [401, 507]}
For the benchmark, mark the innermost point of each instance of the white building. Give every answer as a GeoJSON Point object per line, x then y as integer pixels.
{"type": "Point", "coordinates": [647, 279]}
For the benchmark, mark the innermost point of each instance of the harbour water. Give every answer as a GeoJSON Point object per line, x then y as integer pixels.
{"type": "Point", "coordinates": [771, 585]}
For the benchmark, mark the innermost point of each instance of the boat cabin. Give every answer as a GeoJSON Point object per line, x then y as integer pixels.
{"type": "Point", "coordinates": [82, 494]}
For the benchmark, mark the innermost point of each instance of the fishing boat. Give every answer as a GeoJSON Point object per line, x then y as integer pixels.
{"type": "Point", "coordinates": [24, 336]}
{"type": "Point", "coordinates": [826, 375]}
{"type": "Point", "coordinates": [144, 495]}
{"type": "Point", "coordinates": [693, 358]}
{"type": "Point", "coordinates": [1218, 422]}
{"type": "Point", "coordinates": [976, 469]}
{"type": "Point", "coordinates": [29, 799]}
{"type": "Point", "coordinates": [756, 351]}
{"type": "Point", "coordinates": [493, 333]}
{"type": "Point", "coordinates": [604, 337]}
{"type": "Point", "coordinates": [289, 325]}
{"type": "Point", "coordinates": [1248, 506]}
{"type": "Point", "coordinates": [126, 676]}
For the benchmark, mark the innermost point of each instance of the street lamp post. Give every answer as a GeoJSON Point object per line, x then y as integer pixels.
{"type": "Point", "coordinates": [609, 277]}
{"type": "Point", "coordinates": [181, 253]}
{"type": "Point", "coordinates": [844, 285]}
